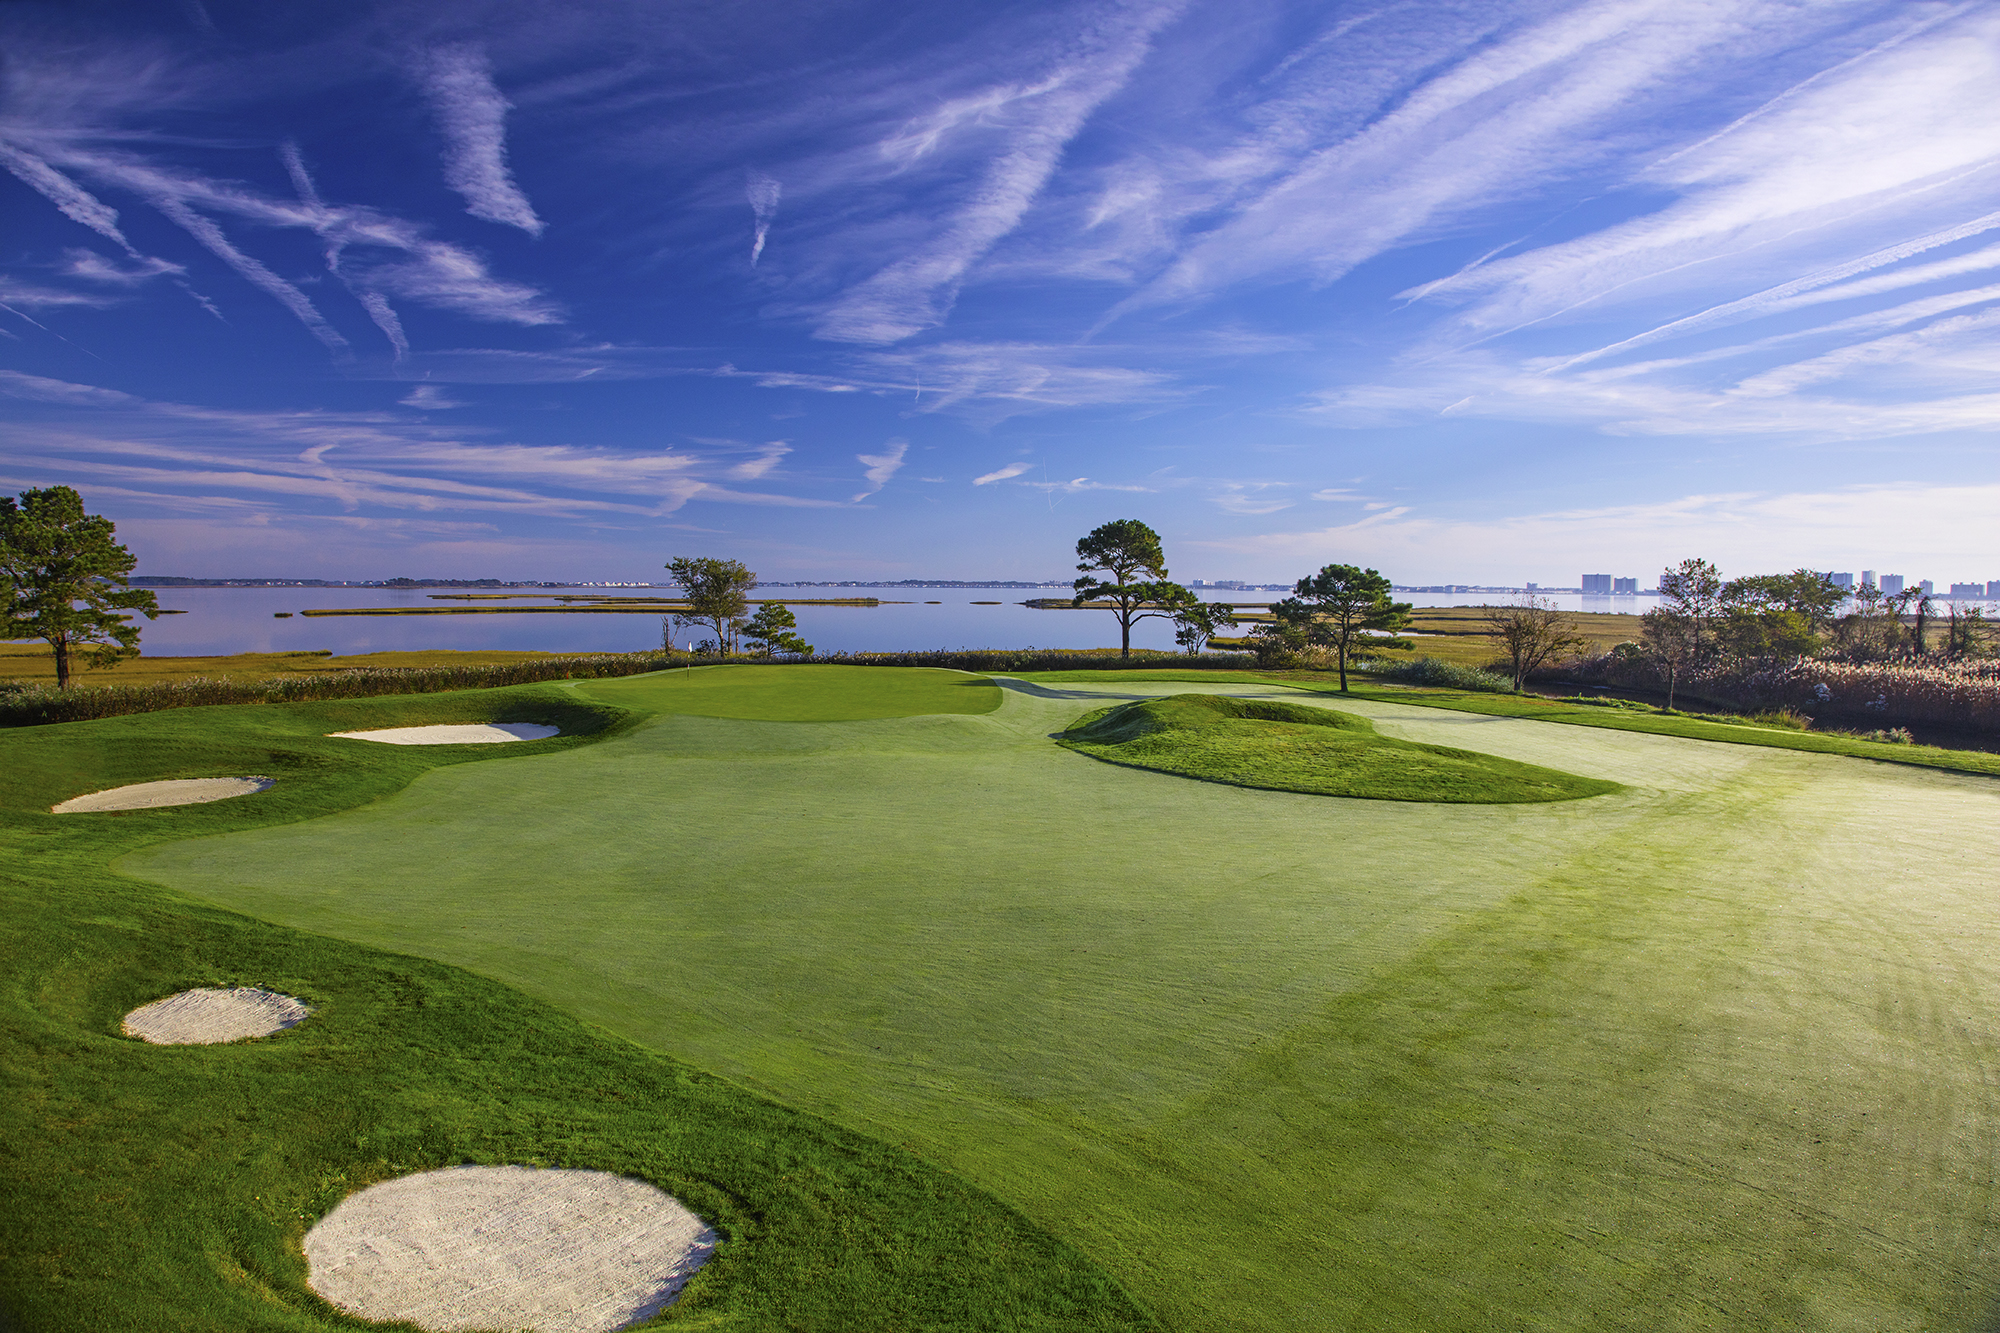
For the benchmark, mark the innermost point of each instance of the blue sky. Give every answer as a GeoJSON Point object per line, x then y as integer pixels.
{"type": "Point", "coordinates": [1479, 291]}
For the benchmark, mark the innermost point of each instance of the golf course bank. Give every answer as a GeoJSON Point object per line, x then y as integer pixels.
{"type": "Point", "coordinates": [939, 1023]}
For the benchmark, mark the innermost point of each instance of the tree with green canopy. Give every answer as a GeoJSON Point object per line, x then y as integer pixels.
{"type": "Point", "coordinates": [1679, 633]}
{"type": "Point", "coordinates": [718, 595]}
{"type": "Point", "coordinates": [1338, 606]}
{"type": "Point", "coordinates": [63, 580]}
{"type": "Point", "coordinates": [1197, 621]}
{"type": "Point", "coordinates": [774, 629]}
{"type": "Point", "coordinates": [1125, 549]}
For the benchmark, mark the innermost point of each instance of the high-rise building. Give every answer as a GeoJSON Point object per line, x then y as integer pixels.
{"type": "Point", "coordinates": [1892, 584]}
{"type": "Point", "coordinates": [1970, 592]}
{"type": "Point", "coordinates": [1596, 585]}
{"type": "Point", "coordinates": [1926, 588]}
{"type": "Point", "coordinates": [1624, 587]}
{"type": "Point", "coordinates": [1993, 587]}
{"type": "Point", "coordinates": [1842, 580]}
{"type": "Point", "coordinates": [1867, 578]}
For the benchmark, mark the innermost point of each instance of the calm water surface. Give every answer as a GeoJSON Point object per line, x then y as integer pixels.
{"type": "Point", "coordinates": [243, 620]}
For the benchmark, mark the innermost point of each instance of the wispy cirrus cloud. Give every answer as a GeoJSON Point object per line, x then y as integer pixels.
{"type": "Point", "coordinates": [93, 267]}
{"type": "Point", "coordinates": [882, 466]}
{"type": "Point", "coordinates": [472, 116]}
{"type": "Point", "coordinates": [1033, 123]}
{"type": "Point", "coordinates": [1001, 474]}
{"type": "Point", "coordinates": [1743, 531]}
{"type": "Point", "coordinates": [32, 296]}
{"type": "Point", "coordinates": [763, 192]}
{"type": "Point", "coordinates": [356, 459]}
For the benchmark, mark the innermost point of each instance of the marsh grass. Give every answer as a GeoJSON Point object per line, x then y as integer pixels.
{"type": "Point", "coordinates": [1299, 748]}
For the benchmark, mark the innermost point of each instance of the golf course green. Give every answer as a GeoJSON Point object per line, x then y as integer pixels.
{"type": "Point", "coordinates": [1714, 1049]}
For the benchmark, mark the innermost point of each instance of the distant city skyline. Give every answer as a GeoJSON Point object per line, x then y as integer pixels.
{"type": "Point", "coordinates": [560, 291]}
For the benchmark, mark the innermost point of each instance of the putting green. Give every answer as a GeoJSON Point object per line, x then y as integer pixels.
{"type": "Point", "coordinates": [1714, 1050]}
{"type": "Point", "coordinates": [799, 693]}
{"type": "Point", "coordinates": [1282, 746]}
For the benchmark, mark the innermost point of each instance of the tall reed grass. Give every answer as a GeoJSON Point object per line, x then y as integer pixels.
{"type": "Point", "coordinates": [1951, 694]}
{"type": "Point", "coordinates": [1434, 671]}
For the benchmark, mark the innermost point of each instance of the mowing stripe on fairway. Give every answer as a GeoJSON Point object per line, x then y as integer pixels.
{"type": "Point", "coordinates": [1713, 1050]}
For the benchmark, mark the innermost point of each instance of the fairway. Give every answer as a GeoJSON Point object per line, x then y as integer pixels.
{"type": "Point", "coordinates": [1712, 1050]}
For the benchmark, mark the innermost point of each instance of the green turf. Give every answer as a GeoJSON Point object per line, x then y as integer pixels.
{"type": "Point", "coordinates": [1292, 747]}
{"type": "Point", "coordinates": [1728, 730]}
{"type": "Point", "coordinates": [166, 1189]}
{"type": "Point", "coordinates": [1714, 1050]}
{"type": "Point", "coordinates": [799, 693]}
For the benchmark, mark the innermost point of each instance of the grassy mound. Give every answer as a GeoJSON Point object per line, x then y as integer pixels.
{"type": "Point", "coordinates": [151, 1188]}
{"type": "Point", "coordinates": [1294, 747]}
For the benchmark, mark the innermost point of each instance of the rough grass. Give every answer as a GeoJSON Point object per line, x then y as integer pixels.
{"type": "Point", "coordinates": [166, 1189]}
{"type": "Point", "coordinates": [1712, 1051]}
{"type": "Point", "coordinates": [1291, 747]}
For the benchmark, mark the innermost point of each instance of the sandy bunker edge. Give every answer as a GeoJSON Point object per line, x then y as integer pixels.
{"type": "Point", "coordinates": [455, 733]}
{"type": "Point", "coordinates": [481, 1247]}
{"type": "Point", "coordinates": [208, 1016]}
{"type": "Point", "coordinates": [157, 795]}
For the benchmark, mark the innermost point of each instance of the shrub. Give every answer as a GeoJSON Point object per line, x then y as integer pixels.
{"type": "Point", "coordinates": [1435, 672]}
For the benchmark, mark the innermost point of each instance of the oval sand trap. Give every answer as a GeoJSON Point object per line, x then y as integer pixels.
{"type": "Point", "coordinates": [485, 1247]}
{"type": "Point", "coordinates": [472, 733]}
{"type": "Point", "coordinates": [206, 1017]}
{"type": "Point", "coordinates": [151, 795]}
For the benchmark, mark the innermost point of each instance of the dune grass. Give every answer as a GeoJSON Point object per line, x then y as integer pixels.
{"type": "Point", "coordinates": [1290, 747]}
{"type": "Point", "coordinates": [1710, 1051]}
{"type": "Point", "coordinates": [166, 1189]}
{"type": "Point", "coordinates": [817, 693]}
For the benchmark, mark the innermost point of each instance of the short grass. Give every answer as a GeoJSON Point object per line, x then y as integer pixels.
{"type": "Point", "coordinates": [799, 693]}
{"type": "Point", "coordinates": [1290, 747]}
{"type": "Point", "coordinates": [1779, 733]}
{"type": "Point", "coordinates": [1710, 1051]}
{"type": "Point", "coordinates": [166, 1189]}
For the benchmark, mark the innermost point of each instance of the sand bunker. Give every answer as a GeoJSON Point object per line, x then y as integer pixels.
{"type": "Point", "coordinates": [473, 733]}
{"type": "Point", "coordinates": [150, 795]}
{"type": "Point", "coordinates": [206, 1017]}
{"type": "Point", "coordinates": [485, 1247]}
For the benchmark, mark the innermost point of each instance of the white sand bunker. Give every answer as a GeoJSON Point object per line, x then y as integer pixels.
{"type": "Point", "coordinates": [474, 733]}
{"type": "Point", "coordinates": [486, 1247]}
{"type": "Point", "coordinates": [206, 1017]}
{"type": "Point", "coordinates": [151, 795]}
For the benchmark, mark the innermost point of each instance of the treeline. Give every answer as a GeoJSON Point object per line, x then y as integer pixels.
{"type": "Point", "coordinates": [1800, 641]}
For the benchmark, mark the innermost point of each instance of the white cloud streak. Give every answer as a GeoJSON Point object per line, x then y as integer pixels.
{"type": "Point", "coordinates": [763, 192]}
{"type": "Point", "coordinates": [1035, 123]}
{"type": "Point", "coordinates": [75, 203]}
{"type": "Point", "coordinates": [472, 116]}
{"type": "Point", "coordinates": [881, 467]}
{"type": "Point", "coordinates": [1001, 474]}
